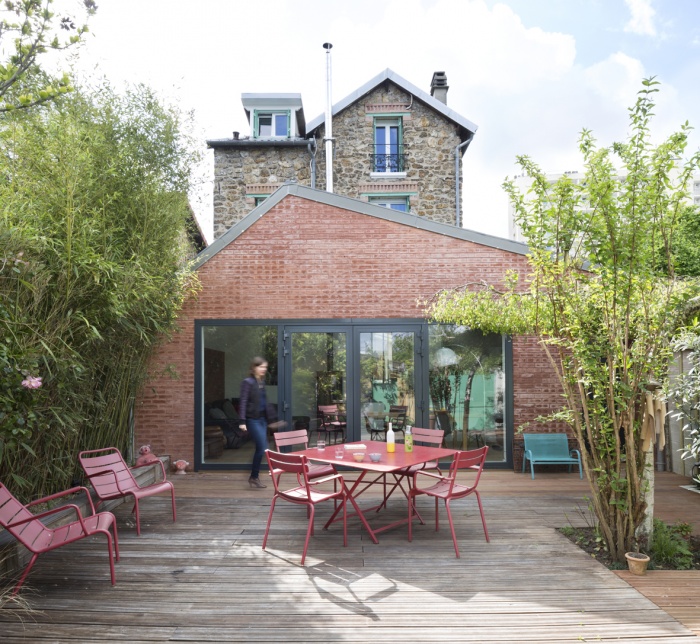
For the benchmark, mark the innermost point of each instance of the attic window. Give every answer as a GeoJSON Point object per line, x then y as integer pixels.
{"type": "Point", "coordinates": [272, 125]}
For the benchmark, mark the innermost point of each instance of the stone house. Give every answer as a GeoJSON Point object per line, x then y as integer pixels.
{"type": "Point", "coordinates": [393, 144]}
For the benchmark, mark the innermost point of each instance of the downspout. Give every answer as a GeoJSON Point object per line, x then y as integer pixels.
{"type": "Point", "coordinates": [465, 144]}
{"type": "Point", "coordinates": [311, 146]}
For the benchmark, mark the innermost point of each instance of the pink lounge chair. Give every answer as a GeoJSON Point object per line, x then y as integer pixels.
{"type": "Point", "coordinates": [36, 537]}
{"type": "Point", "coordinates": [111, 478]}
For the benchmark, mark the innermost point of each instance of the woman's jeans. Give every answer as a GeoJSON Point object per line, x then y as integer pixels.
{"type": "Point", "coordinates": [257, 428]}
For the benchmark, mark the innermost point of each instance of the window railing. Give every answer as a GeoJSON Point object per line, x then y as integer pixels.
{"type": "Point", "coordinates": [392, 161]}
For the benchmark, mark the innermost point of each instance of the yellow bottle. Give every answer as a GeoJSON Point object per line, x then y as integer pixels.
{"type": "Point", "coordinates": [390, 441]}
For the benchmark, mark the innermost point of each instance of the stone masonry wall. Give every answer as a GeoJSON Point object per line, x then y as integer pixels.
{"type": "Point", "coordinates": [236, 168]}
{"type": "Point", "coordinates": [429, 143]}
{"type": "Point", "coordinates": [330, 263]}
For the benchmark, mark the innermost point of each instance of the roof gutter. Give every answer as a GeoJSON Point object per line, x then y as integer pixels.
{"type": "Point", "coordinates": [465, 145]}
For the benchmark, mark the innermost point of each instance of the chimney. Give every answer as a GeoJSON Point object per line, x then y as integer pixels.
{"type": "Point", "coordinates": [439, 87]}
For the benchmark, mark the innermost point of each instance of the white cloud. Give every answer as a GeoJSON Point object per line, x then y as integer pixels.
{"type": "Point", "coordinates": [642, 19]}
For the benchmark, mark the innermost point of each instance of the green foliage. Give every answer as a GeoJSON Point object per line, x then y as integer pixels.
{"type": "Point", "coordinates": [93, 212]}
{"type": "Point", "coordinates": [685, 391]}
{"type": "Point", "coordinates": [596, 298]}
{"type": "Point", "coordinates": [669, 546]}
{"type": "Point", "coordinates": [28, 29]}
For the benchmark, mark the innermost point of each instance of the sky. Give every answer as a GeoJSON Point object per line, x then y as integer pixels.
{"type": "Point", "coordinates": [531, 74]}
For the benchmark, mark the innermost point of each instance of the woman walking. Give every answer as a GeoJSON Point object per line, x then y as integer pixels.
{"type": "Point", "coordinates": [253, 412]}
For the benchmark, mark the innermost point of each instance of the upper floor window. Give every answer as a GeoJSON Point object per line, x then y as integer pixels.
{"type": "Point", "coordinates": [394, 203]}
{"type": "Point", "coordinates": [271, 125]}
{"type": "Point", "coordinates": [388, 145]}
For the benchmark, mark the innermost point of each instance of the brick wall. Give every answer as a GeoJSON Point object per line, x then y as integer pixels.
{"type": "Point", "coordinates": [306, 260]}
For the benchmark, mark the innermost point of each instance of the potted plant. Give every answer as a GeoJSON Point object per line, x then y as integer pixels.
{"type": "Point", "coordinates": [637, 562]}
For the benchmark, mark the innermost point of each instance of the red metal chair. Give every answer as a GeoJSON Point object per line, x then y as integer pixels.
{"type": "Point", "coordinates": [306, 491]}
{"type": "Point", "coordinates": [111, 478]}
{"type": "Point", "coordinates": [36, 537]}
{"type": "Point", "coordinates": [421, 436]}
{"type": "Point", "coordinates": [332, 421]}
{"type": "Point", "coordinates": [300, 438]}
{"type": "Point", "coordinates": [447, 488]}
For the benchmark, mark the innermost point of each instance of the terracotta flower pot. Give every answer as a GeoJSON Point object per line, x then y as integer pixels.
{"type": "Point", "coordinates": [637, 562]}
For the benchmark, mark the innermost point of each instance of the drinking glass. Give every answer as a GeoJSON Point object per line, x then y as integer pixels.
{"type": "Point", "coordinates": [320, 444]}
{"type": "Point", "coordinates": [339, 452]}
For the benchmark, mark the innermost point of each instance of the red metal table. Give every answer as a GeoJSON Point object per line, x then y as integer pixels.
{"type": "Point", "coordinates": [389, 463]}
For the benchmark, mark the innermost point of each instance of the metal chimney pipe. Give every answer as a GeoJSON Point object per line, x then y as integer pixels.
{"type": "Point", "coordinates": [329, 120]}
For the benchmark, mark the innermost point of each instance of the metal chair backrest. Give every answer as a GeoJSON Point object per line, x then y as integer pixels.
{"type": "Point", "coordinates": [397, 416]}
{"type": "Point", "coordinates": [12, 511]}
{"type": "Point", "coordinates": [281, 463]}
{"type": "Point", "coordinates": [108, 473]}
{"type": "Point", "coordinates": [429, 437]}
{"type": "Point", "coordinates": [468, 460]}
{"type": "Point", "coordinates": [292, 438]}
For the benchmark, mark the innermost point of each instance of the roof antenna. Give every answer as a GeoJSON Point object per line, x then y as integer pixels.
{"type": "Point", "coordinates": [328, 139]}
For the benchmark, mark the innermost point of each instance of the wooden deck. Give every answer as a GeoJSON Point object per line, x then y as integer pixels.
{"type": "Point", "coordinates": [206, 579]}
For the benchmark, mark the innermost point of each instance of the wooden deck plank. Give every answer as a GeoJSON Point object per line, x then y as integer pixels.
{"type": "Point", "coordinates": [206, 578]}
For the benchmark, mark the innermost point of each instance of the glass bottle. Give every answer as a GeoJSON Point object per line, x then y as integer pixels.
{"type": "Point", "coordinates": [408, 440]}
{"type": "Point", "coordinates": [390, 440]}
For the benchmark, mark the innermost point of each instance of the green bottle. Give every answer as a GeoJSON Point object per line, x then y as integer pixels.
{"type": "Point", "coordinates": [408, 440]}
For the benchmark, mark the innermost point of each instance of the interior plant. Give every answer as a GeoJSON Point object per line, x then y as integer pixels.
{"type": "Point", "coordinates": [602, 305]}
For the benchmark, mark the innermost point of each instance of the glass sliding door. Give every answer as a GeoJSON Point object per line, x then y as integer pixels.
{"type": "Point", "coordinates": [467, 388]}
{"type": "Point", "coordinates": [227, 351]}
{"type": "Point", "coordinates": [387, 382]}
{"type": "Point", "coordinates": [317, 375]}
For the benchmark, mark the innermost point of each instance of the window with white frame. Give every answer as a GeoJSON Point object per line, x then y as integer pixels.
{"type": "Point", "coordinates": [388, 153]}
{"type": "Point", "coordinates": [271, 125]}
{"type": "Point", "coordinates": [394, 202]}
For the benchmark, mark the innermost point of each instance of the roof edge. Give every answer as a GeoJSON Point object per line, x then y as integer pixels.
{"type": "Point", "coordinates": [360, 207]}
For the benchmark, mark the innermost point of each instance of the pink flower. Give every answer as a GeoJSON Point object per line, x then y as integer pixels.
{"type": "Point", "coordinates": [32, 382]}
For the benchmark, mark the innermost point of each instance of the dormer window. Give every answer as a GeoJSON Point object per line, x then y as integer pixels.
{"type": "Point", "coordinates": [272, 125]}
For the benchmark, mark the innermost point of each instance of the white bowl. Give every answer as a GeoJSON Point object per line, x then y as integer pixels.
{"type": "Point", "coordinates": [375, 458]}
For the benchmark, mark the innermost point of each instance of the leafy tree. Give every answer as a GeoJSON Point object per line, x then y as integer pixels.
{"type": "Point", "coordinates": [93, 210]}
{"type": "Point", "coordinates": [603, 311]}
{"type": "Point", "coordinates": [28, 30]}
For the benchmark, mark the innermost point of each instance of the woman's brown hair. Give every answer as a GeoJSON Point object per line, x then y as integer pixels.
{"type": "Point", "coordinates": [257, 361]}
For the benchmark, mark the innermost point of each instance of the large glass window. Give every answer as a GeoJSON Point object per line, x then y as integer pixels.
{"type": "Point", "coordinates": [467, 388]}
{"type": "Point", "coordinates": [228, 351]}
{"type": "Point", "coordinates": [368, 372]}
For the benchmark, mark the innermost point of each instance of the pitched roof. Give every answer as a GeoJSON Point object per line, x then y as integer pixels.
{"type": "Point", "coordinates": [360, 207]}
{"type": "Point", "coordinates": [467, 128]}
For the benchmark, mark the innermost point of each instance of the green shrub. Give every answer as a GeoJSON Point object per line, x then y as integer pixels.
{"type": "Point", "coordinates": [669, 546]}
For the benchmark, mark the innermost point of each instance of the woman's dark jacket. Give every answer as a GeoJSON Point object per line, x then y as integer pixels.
{"type": "Point", "coordinates": [250, 400]}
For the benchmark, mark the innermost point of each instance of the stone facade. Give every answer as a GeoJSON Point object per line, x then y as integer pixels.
{"type": "Point", "coordinates": [252, 167]}
{"type": "Point", "coordinates": [236, 170]}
